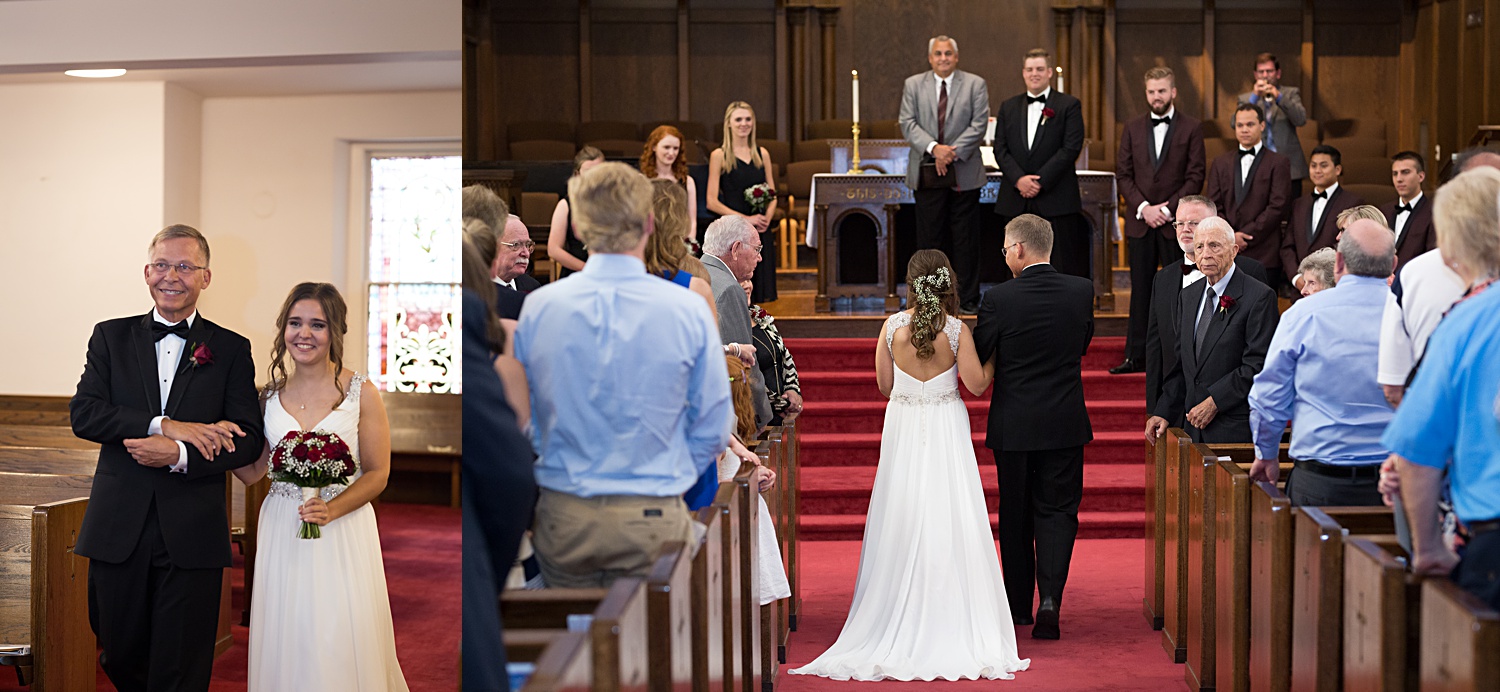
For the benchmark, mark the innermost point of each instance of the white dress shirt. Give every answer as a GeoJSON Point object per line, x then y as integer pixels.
{"type": "Point", "coordinates": [508, 284]}
{"type": "Point", "coordinates": [1219, 289]}
{"type": "Point", "coordinates": [937, 97]}
{"type": "Point", "coordinates": [1402, 217]}
{"type": "Point", "coordinates": [168, 355]}
{"type": "Point", "coordinates": [1247, 161]}
{"type": "Point", "coordinates": [1319, 205]}
{"type": "Point", "coordinates": [1192, 276]}
{"type": "Point", "coordinates": [1034, 116]}
{"type": "Point", "coordinates": [1428, 289]}
{"type": "Point", "coordinates": [1159, 133]}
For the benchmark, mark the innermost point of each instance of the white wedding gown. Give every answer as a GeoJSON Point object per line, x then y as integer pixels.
{"type": "Point", "coordinates": [929, 601]}
{"type": "Point", "coordinates": [320, 616]}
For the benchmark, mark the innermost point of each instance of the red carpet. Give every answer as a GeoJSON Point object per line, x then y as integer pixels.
{"type": "Point", "coordinates": [840, 440]}
{"type": "Point", "coordinates": [421, 545]}
{"type": "Point", "coordinates": [1106, 643]}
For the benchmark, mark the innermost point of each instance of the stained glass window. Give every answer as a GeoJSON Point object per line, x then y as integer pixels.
{"type": "Point", "coordinates": [414, 274]}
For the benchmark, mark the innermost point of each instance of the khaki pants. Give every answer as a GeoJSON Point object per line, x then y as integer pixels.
{"type": "Point", "coordinates": [589, 542]}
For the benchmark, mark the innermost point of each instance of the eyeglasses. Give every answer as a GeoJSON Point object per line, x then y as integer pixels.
{"type": "Point", "coordinates": [756, 248]}
{"type": "Point", "coordinates": [1005, 250]}
{"type": "Point", "coordinates": [183, 268]}
{"type": "Point", "coordinates": [523, 244]}
{"type": "Point", "coordinates": [1179, 225]}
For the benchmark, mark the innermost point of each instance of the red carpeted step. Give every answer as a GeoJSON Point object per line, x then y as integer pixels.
{"type": "Point", "coordinates": [859, 385]}
{"type": "Point", "coordinates": [846, 489]}
{"type": "Point", "coordinates": [846, 527]}
{"type": "Point", "coordinates": [863, 449]}
{"type": "Point", "coordinates": [819, 416]}
{"type": "Point", "coordinates": [859, 354]}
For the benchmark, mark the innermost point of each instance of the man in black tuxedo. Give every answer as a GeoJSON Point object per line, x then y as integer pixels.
{"type": "Point", "coordinates": [1161, 160]}
{"type": "Point", "coordinates": [1166, 290]}
{"type": "Point", "coordinates": [512, 259]}
{"type": "Point", "coordinates": [1225, 323]}
{"type": "Point", "coordinates": [1036, 328]}
{"type": "Point", "coordinates": [1312, 224]}
{"type": "Point", "coordinates": [1410, 215]}
{"type": "Point", "coordinates": [171, 399]}
{"type": "Point", "coordinates": [1037, 143]}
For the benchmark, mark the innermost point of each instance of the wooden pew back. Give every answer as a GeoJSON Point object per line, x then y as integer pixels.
{"type": "Point", "coordinates": [49, 460]}
{"type": "Point", "coordinates": [566, 665]}
{"type": "Point", "coordinates": [729, 502]}
{"type": "Point", "coordinates": [1200, 515]}
{"type": "Point", "coordinates": [59, 436]}
{"type": "Point", "coordinates": [30, 402]}
{"type": "Point", "coordinates": [1382, 617]}
{"type": "Point", "coordinates": [1174, 582]}
{"type": "Point", "coordinates": [1460, 635]}
{"type": "Point", "coordinates": [669, 618]}
{"type": "Point", "coordinates": [1318, 588]}
{"type": "Point", "coordinates": [1231, 488]}
{"type": "Point", "coordinates": [1156, 529]}
{"type": "Point", "coordinates": [617, 632]}
{"type": "Point", "coordinates": [789, 541]}
{"type": "Point", "coordinates": [708, 603]}
{"type": "Point", "coordinates": [749, 583]}
{"type": "Point", "coordinates": [1270, 654]}
{"type": "Point", "coordinates": [44, 593]}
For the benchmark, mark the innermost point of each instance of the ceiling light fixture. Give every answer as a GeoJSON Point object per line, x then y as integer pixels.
{"type": "Point", "coordinates": [95, 74]}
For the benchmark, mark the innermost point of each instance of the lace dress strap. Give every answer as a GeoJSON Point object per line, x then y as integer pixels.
{"type": "Point", "coordinates": [952, 329]}
{"type": "Point", "coordinates": [893, 323]}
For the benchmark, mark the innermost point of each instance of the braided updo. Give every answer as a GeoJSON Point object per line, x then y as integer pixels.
{"type": "Point", "coordinates": [929, 277]}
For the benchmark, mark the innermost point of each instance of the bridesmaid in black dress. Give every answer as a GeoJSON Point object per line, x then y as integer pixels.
{"type": "Point", "coordinates": [563, 245]}
{"type": "Point", "coordinates": [735, 167]}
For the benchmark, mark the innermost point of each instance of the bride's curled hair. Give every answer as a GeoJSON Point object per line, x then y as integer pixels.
{"type": "Point", "coordinates": [334, 310]}
{"type": "Point", "coordinates": [931, 291]}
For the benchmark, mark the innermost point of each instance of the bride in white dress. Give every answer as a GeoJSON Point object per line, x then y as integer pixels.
{"type": "Point", "coordinates": [320, 617]}
{"type": "Point", "coordinates": [929, 601]}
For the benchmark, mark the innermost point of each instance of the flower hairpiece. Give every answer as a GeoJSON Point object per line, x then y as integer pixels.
{"type": "Point", "coordinates": [925, 288]}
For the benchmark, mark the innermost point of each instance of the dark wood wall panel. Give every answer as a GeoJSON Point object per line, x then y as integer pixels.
{"type": "Point", "coordinates": [731, 61]}
{"type": "Point", "coordinates": [538, 77]}
{"type": "Point", "coordinates": [1142, 46]}
{"type": "Point", "coordinates": [635, 71]}
{"type": "Point", "coordinates": [1357, 66]}
{"type": "Point", "coordinates": [1472, 68]}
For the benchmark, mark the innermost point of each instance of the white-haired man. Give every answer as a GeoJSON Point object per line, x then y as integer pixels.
{"type": "Point", "coordinates": [731, 249]}
{"type": "Point", "coordinates": [512, 259]}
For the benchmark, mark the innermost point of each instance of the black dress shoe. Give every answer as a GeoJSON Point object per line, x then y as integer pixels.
{"type": "Point", "coordinates": [1127, 367]}
{"type": "Point", "coordinates": [968, 309]}
{"type": "Point", "coordinates": [1046, 621]}
{"type": "Point", "coordinates": [1024, 619]}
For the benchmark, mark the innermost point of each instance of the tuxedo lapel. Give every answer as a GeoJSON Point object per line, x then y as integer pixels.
{"type": "Point", "coordinates": [1189, 304]}
{"type": "Point", "coordinates": [197, 335]}
{"type": "Point", "coordinates": [145, 355]}
{"type": "Point", "coordinates": [1221, 316]}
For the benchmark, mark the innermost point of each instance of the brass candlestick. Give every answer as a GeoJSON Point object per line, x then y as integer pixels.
{"type": "Point", "coordinates": [854, 168]}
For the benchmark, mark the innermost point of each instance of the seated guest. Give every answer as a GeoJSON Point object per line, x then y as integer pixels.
{"type": "Point", "coordinates": [1252, 188]}
{"type": "Point", "coordinates": [1448, 417]}
{"type": "Point", "coordinates": [512, 258]}
{"type": "Point", "coordinates": [1312, 224]}
{"type": "Point", "coordinates": [630, 397]}
{"type": "Point", "coordinates": [1316, 272]}
{"type": "Point", "coordinates": [1225, 321]}
{"type": "Point", "coordinates": [1320, 374]}
{"type": "Point", "coordinates": [775, 362]}
{"type": "Point", "coordinates": [1410, 216]}
{"type": "Point", "coordinates": [773, 583]}
{"type": "Point", "coordinates": [663, 159]}
{"type": "Point", "coordinates": [730, 251]}
{"type": "Point", "coordinates": [1167, 285]}
{"type": "Point", "coordinates": [564, 245]}
{"type": "Point", "coordinates": [667, 251]}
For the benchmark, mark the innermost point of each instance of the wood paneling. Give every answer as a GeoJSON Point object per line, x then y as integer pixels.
{"type": "Point", "coordinates": [635, 69]}
{"type": "Point", "coordinates": [732, 61]}
{"type": "Point", "coordinates": [1357, 69]}
{"type": "Point", "coordinates": [538, 74]}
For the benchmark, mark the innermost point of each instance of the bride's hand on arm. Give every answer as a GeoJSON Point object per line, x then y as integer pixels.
{"type": "Point", "coordinates": [374, 455]}
{"type": "Point", "coordinates": [976, 375]}
{"type": "Point", "coordinates": [885, 373]}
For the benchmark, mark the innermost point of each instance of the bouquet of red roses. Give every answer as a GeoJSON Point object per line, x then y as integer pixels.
{"type": "Point", "coordinates": [311, 460]}
{"type": "Point", "coordinates": [760, 196]}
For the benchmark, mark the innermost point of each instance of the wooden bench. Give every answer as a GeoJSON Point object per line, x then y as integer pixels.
{"type": "Point", "coordinates": [44, 595]}
{"type": "Point", "coordinates": [1460, 640]}
{"type": "Point", "coordinates": [617, 632]}
{"type": "Point", "coordinates": [728, 503]}
{"type": "Point", "coordinates": [752, 622]}
{"type": "Point", "coordinates": [708, 604]}
{"type": "Point", "coordinates": [1318, 588]}
{"type": "Point", "coordinates": [56, 436]}
{"type": "Point", "coordinates": [34, 410]}
{"type": "Point", "coordinates": [49, 460]}
{"type": "Point", "coordinates": [789, 479]}
{"type": "Point", "coordinates": [566, 664]}
{"type": "Point", "coordinates": [1382, 617]}
{"type": "Point", "coordinates": [669, 606]}
{"type": "Point", "coordinates": [1174, 545]}
{"type": "Point", "coordinates": [783, 517]}
{"type": "Point", "coordinates": [1153, 602]}
{"type": "Point", "coordinates": [1270, 658]}
{"type": "Point", "coordinates": [427, 435]}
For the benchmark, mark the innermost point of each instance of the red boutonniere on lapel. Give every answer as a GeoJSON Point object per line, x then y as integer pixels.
{"type": "Point", "coordinates": [201, 356]}
{"type": "Point", "coordinates": [1225, 303]}
{"type": "Point", "coordinates": [1047, 114]}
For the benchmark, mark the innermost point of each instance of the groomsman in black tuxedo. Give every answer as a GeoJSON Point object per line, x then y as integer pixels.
{"type": "Point", "coordinates": [1312, 225]}
{"type": "Point", "coordinates": [1039, 135]}
{"type": "Point", "coordinates": [1252, 187]}
{"type": "Point", "coordinates": [1036, 328]}
{"type": "Point", "coordinates": [171, 399]}
{"type": "Point", "coordinates": [1161, 160]}
{"type": "Point", "coordinates": [512, 260]}
{"type": "Point", "coordinates": [1410, 216]}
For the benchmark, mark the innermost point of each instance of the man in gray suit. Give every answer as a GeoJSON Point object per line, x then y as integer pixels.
{"type": "Point", "coordinates": [943, 117]}
{"type": "Point", "coordinates": [731, 249]}
{"type": "Point", "coordinates": [1284, 114]}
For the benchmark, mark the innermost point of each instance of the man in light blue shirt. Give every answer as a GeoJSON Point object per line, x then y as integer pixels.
{"type": "Point", "coordinates": [629, 394]}
{"type": "Point", "coordinates": [1320, 373]}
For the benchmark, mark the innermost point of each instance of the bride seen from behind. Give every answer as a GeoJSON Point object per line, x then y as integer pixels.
{"type": "Point", "coordinates": [929, 601]}
{"type": "Point", "coordinates": [321, 617]}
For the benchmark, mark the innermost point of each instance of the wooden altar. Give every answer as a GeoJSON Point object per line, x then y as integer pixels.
{"type": "Point", "coordinates": [875, 197]}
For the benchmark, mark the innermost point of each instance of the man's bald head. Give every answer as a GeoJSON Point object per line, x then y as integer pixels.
{"type": "Point", "coordinates": [1368, 249]}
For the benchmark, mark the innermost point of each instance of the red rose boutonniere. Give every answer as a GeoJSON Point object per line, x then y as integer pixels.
{"type": "Point", "coordinates": [201, 356]}
{"type": "Point", "coordinates": [1225, 303]}
{"type": "Point", "coordinates": [1047, 114]}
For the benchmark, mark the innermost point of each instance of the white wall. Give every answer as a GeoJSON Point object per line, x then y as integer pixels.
{"type": "Point", "coordinates": [89, 172]}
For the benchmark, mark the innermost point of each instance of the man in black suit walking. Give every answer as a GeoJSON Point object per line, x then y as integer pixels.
{"type": "Point", "coordinates": [1225, 324]}
{"type": "Point", "coordinates": [512, 260]}
{"type": "Point", "coordinates": [1040, 135]}
{"type": "Point", "coordinates": [1036, 329]}
{"type": "Point", "coordinates": [171, 399]}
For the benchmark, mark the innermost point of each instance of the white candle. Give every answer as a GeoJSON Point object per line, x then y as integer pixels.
{"type": "Point", "coordinates": [1059, 79]}
{"type": "Point", "coordinates": [856, 94]}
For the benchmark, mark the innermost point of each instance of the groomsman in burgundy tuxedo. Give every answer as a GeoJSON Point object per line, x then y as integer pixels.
{"type": "Point", "coordinates": [1410, 216]}
{"type": "Point", "coordinates": [1161, 161]}
{"type": "Point", "coordinates": [1312, 225]}
{"type": "Point", "coordinates": [1251, 185]}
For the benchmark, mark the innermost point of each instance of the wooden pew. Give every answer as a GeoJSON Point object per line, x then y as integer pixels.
{"type": "Point", "coordinates": [49, 460]}
{"type": "Point", "coordinates": [1174, 578]}
{"type": "Point", "coordinates": [708, 603]}
{"type": "Point", "coordinates": [1318, 588]}
{"type": "Point", "coordinates": [1382, 617]}
{"type": "Point", "coordinates": [18, 409]}
{"type": "Point", "coordinates": [427, 435]}
{"type": "Point", "coordinates": [669, 601]}
{"type": "Point", "coordinates": [618, 632]}
{"type": "Point", "coordinates": [779, 502]}
{"type": "Point", "coordinates": [1199, 517]}
{"type": "Point", "coordinates": [1270, 658]}
{"type": "Point", "coordinates": [1460, 638]}
{"type": "Point", "coordinates": [35, 417]}
{"type": "Point", "coordinates": [728, 503]}
{"type": "Point", "coordinates": [566, 665]}
{"type": "Point", "coordinates": [752, 668]}
{"type": "Point", "coordinates": [789, 538]}
{"type": "Point", "coordinates": [1152, 603]}
{"type": "Point", "coordinates": [44, 595]}
{"type": "Point", "coordinates": [56, 436]}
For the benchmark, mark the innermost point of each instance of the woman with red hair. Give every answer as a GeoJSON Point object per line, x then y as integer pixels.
{"type": "Point", "coordinates": [662, 158]}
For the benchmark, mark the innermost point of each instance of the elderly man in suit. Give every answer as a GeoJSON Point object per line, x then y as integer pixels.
{"type": "Point", "coordinates": [943, 116]}
{"type": "Point", "coordinates": [1226, 321]}
{"type": "Point", "coordinates": [1037, 140]}
{"type": "Point", "coordinates": [1036, 328]}
{"type": "Point", "coordinates": [1282, 107]}
{"type": "Point", "coordinates": [512, 259]}
{"type": "Point", "coordinates": [1161, 160]}
{"type": "Point", "coordinates": [1252, 188]}
{"type": "Point", "coordinates": [1410, 216]}
{"type": "Point", "coordinates": [1312, 225]}
{"type": "Point", "coordinates": [730, 251]}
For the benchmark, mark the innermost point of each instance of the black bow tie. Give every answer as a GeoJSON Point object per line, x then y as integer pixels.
{"type": "Point", "coordinates": [1320, 195]}
{"type": "Point", "coordinates": [1403, 207]}
{"type": "Point", "coordinates": [1165, 120]}
{"type": "Point", "coordinates": [1247, 152]}
{"type": "Point", "coordinates": [1188, 268]}
{"type": "Point", "coordinates": [1035, 99]}
{"type": "Point", "coordinates": [160, 331]}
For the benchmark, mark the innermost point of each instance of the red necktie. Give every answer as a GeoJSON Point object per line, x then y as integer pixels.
{"type": "Point", "coordinates": [942, 111]}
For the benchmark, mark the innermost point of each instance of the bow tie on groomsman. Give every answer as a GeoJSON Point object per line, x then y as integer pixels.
{"type": "Point", "coordinates": [1164, 120]}
{"type": "Point", "coordinates": [1246, 152]}
{"type": "Point", "coordinates": [1403, 208]}
{"type": "Point", "coordinates": [1320, 195]}
{"type": "Point", "coordinates": [1035, 99]}
{"type": "Point", "coordinates": [1188, 268]}
{"type": "Point", "coordinates": [160, 331]}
